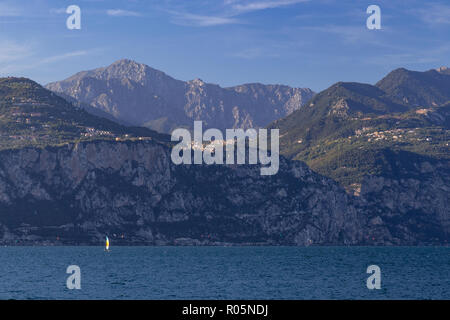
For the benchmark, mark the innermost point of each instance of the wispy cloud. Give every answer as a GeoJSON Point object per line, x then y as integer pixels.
{"type": "Point", "coordinates": [122, 13]}
{"type": "Point", "coordinates": [11, 51]}
{"type": "Point", "coordinates": [201, 20]}
{"type": "Point", "coordinates": [247, 6]}
{"type": "Point", "coordinates": [227, 12]}
{"type": "Point", "coordinates": [63, 56]}
{"type": "Point", "coordinates": [16, 57]}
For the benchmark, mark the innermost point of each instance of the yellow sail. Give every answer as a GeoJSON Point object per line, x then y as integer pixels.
{"type": "Point", "coordinates": [107, 243]}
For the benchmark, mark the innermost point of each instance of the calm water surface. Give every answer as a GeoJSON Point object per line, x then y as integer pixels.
{"type": "Point", "coordinates": [224, 272]}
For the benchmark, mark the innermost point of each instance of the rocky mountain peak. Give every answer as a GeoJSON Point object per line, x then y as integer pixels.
{"type": "Point", "coordinates": [143, 96]}
{"type": "Point", "coordinates": [129, 69]}
{"type": "Point", "coordinates": [197, 82]}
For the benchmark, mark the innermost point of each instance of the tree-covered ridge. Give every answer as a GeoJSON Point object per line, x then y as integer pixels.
{"type": "Point", "coordinates": [352, 130]}
{"type": "Point", "coordinates": [430, 88]}
{"type": "Point", "coordinates": [31, 115]}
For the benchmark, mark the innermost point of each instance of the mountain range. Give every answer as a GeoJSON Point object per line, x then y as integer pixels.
{"type": "Point", "coordinates": [353, 130]}
{"type": "Point", "coordinates": [69, 177]}
{"type": "Point", "coordinates": [139, 95]}
{"type": "Point", "coordinates": [362, 165]}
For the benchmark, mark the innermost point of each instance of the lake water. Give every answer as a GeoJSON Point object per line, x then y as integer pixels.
{"type": "Point", "coordinates": [225, 272]}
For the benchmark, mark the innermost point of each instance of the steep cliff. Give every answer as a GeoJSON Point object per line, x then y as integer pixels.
{"type": "Point", "coordinates": [131, 191]}
{"type": "Point", "coordinates": [409, 203]}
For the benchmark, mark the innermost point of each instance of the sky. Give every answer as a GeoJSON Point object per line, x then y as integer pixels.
{"type": "Point", "coordinates": [300, 43]}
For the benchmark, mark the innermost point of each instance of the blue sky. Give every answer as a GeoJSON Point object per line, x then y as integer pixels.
{"type": "Point", "coordinates": [299, 43]}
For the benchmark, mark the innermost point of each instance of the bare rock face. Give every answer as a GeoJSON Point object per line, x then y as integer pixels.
{"type": "Point", "coordinates": [412, 209]}
{"type": "Point", "coordinates": [139, 95]}
{"type": "Point", "coordinates": [131, 191]}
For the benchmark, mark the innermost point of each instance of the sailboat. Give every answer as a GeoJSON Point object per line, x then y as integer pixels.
{"type": "Point", "coordinates": [107, 244]}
